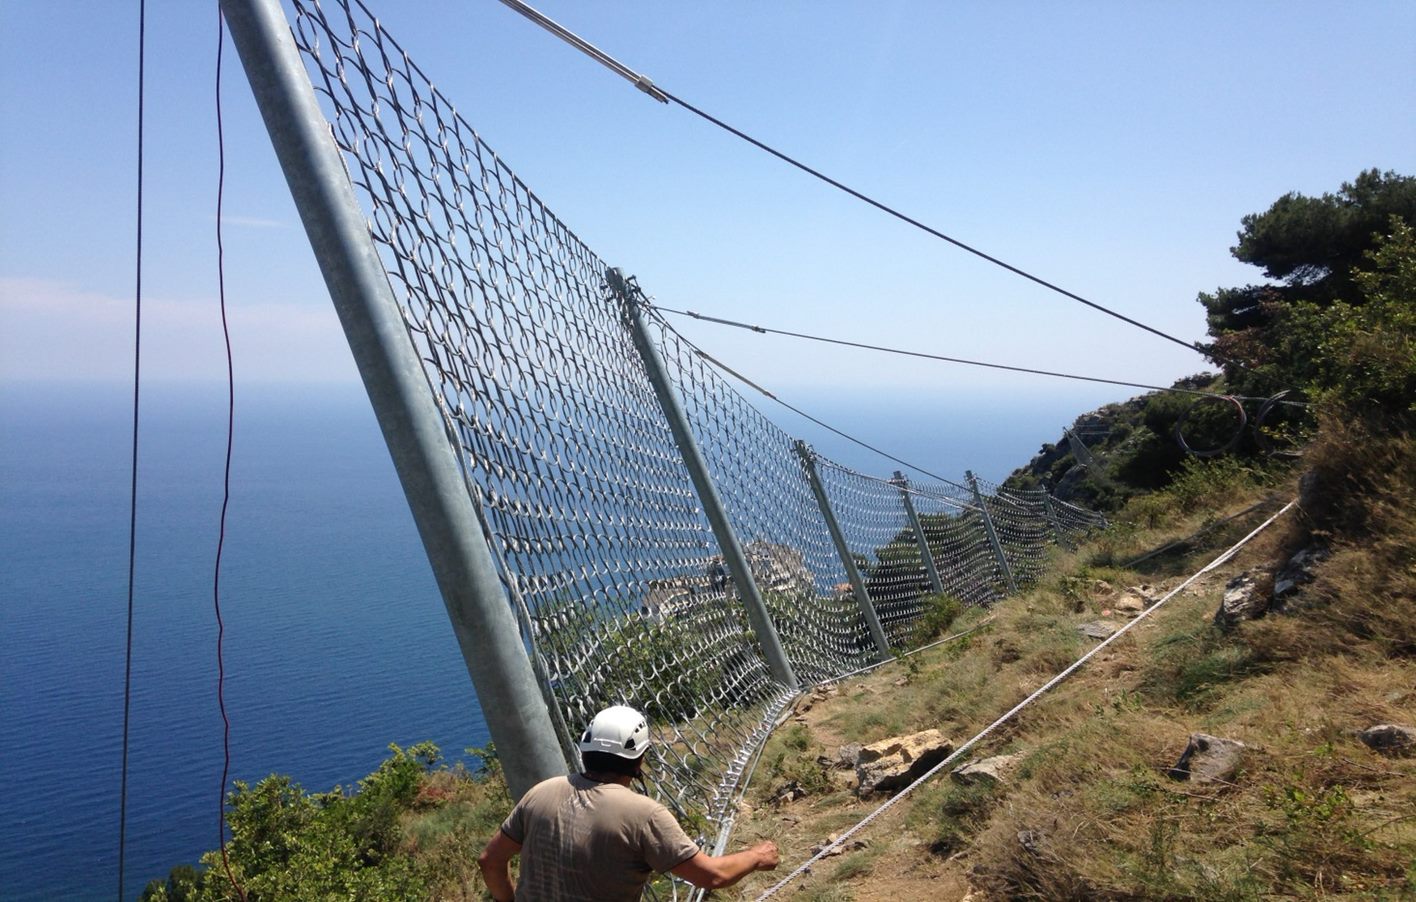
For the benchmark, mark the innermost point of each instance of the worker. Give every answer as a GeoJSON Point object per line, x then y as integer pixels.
{"type": "Point", "coordinates": [589, 836]}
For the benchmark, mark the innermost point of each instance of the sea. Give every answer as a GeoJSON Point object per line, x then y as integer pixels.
{"type": "Point", "coordinates": [336, 640]}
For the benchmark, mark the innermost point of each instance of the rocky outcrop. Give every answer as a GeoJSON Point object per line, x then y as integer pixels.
{"type": "Point", "coordinates": [1389, 739]}
{"type": "Point", "coordinates": [1098, 629]}
{"type": "Point", "coordinates": [1209, 759]}
{"type": "Point", "coordinates": [1300, 569]}
{"type": "Point", "coordinates": [895, 763]}
{"type": "Point", "coordinates": [1244, 599]}
{"type": "Point", "coordinates": [989, 771]}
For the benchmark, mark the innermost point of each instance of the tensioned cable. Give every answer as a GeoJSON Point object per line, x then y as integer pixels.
{"type": "Point", "coordinates": [646, 85]}
{"type": "Point", "coordinates": [133, 482]}
{"type": "Point", "coordinates": [718, 364]}
{"type": "Point", "coordinates": [921, 354]}
{"type": "Point", "coordinates": [894, 800]}
{"type": "Point", "coordinates": [226, 473]}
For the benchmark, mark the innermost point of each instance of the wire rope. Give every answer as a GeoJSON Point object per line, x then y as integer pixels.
{"type": "Point", "coordinates": [921, 354]}
{"type": "Point", "coordinates": [1228, 445]}
{"type": "Point", "coordinates": [644, 84]}
{"type": "Point", "coordinates": [133, 481]}
{"type": "Point", "coordinates": [226, 472]}
{"type": "Point", "coordinates": [723, 367]}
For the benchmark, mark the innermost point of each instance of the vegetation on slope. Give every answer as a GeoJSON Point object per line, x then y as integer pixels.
{"type": "Point", "coordinates": [1091, 811]}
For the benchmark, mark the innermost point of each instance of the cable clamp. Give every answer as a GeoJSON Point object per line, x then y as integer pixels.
{"type": "Point", "coordinates": [643, 83]}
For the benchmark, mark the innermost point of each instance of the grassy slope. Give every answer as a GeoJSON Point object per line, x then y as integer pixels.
{"type": "Point", "coordinates": [1313, 812]}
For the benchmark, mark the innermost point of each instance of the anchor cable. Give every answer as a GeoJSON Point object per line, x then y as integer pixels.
{"type": "Point", "coordinates": [645, 84]}
{"type": "Point", "coordinates": [226, 473]}
{"type": "Point", "coordinates": [133, 481]}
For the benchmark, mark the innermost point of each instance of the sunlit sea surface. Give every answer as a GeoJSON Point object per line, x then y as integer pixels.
{"type": "Point", "coordinates": [337, 643]}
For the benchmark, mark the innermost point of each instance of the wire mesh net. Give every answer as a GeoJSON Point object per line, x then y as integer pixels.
{"type": "Point", "coordinates": [606, 553]}
{"type": "Point", "coordinates": [958, 541]}
{"type": "Point", "coordinates": [768, 497]}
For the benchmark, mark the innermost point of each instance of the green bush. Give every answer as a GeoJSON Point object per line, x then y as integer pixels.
{"type": "Point", "coordinates": [938, 613]}
{"type": "Point", "coordinates": [289, 844]}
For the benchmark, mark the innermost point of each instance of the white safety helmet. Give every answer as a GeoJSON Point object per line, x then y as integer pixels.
{"type": "Point", "coordinates": [618, 730]}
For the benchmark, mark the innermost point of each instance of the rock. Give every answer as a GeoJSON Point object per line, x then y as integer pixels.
{"type": "Point", "coordinates": [989, 771]}
{"type": "Point", "coordinates": [789, 793]}
{"type": "Point", "coordinates": [895, 763]}
{"type": "Point", "coordinates": [1031, 841]}
{"type": "Point", "coordinates": [1390, 739]}
{"type": "Point", "coordinates": [1130, 603]}
{"type": "Point", "coordinates": [847, 756]}
{"type": "Point", "coordinates": [854, 845]}
{"type": "Point", "coordinates": [1208, 759]}
{"type": "Point", "coordinates": [1299, 570]}
{"type": "Point", "coordinates": [1242, 601]}
{"type": "Point", "coordinates": [1098, 629]}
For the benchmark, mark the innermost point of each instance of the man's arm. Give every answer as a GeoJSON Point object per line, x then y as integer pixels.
{"type": "Point", "coordinates": [494, 861]}
{"type": "Point", "coordinates": [711, 872]}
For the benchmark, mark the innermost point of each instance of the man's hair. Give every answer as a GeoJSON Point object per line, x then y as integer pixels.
{"type": "Point", "coordinates": [605, 763]}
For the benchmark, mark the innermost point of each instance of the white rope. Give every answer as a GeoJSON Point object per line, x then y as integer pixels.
{"type": "Point", "coordinates": [831, 847]}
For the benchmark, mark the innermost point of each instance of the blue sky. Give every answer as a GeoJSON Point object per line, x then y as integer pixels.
{"type": "Point", "coordinates": [1109, 147]}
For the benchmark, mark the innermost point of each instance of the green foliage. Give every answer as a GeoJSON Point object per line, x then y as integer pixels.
{"type": "Point", "coordinates": [635, 659]}
{"type": "Point", "coordinates": [1361, 356]}
{"type": "Point", "coordinates": [1317, 247]}
{"type": "Point", "coordinates": [938, 613]}
{"type": "Point", "coordinates": [289, 844]}
{"type": "Point", "coordinates": [1200, 484]}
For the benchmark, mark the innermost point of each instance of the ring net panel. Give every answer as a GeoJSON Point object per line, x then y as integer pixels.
{"type": "Point", "coordinates": [607, 557]}
{"type": "Point", "coordinates": [958, 542]}
{"type": "Point", "coordinates": [767, 495]}
{"type": "Point", "coordinates": [881, 538]}
{"type": "Point", "coordinates": [1024, 530]}
{"type": "Point", "coordinates": [588, 504]}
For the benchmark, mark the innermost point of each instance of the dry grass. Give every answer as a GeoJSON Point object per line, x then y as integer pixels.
{"type": "Point", "coordinates": [1091, 813]}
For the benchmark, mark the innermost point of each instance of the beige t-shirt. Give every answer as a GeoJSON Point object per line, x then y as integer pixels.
{"type": "Point", "coordinates": [582, 840]}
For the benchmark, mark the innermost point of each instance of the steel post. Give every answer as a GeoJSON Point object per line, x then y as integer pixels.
{"type": "Point", "coordinates": [926, 556]}
{"type": "Point", "coordinates": [733, 556]}
{"type": "Point", "coordinates": [402, 398]}
{"type": "Point", "coordinates": [1056, 524]}
{"type": "Point", "coordinates": [992, 534]}
{"type": "Point", "coordinates": [862, 597]}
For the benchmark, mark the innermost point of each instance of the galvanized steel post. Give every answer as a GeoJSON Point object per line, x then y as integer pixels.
{"type": "Point", "coordinates": [733, 556]}
{"type": "Point", "coordinates": [862, 597]}
{"type": "Point", "coordinates": [926, 556]}
{"type": "Point", "coordinates": [992, 533]}
{"type": "Point", "coordinates": [402, 398]}
{"type": "Point", "coordinates": [1051, 513]}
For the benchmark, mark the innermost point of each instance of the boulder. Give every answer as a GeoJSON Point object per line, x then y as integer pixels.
{"type": "Point", "coordinates": [1209, 759]}
{"type": "Point", "coordinates": [1299, 569]}
{"type": "Point", "coordinates": [848, 755]}
{"type": "Point", "coordinates": [897, 762]}
{"type": "Point", "coordinates": [1098, 629]}
{"type": "Point", "coordinates": [989, 771]}
{"type": "Point", "coordinates": [1243, 600]}
{"type": "Point", "coordinates": [1130, 603]}
{"type": "Point", "coordinates": [1389, 739]}
{"type": "Point", "coordinates": [1031, 841]}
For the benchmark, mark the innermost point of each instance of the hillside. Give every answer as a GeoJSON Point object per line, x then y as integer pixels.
{"type": "Point", "coordinates": [1088, 810]}
{"type": "Point", "coordinates": [1251, 738]}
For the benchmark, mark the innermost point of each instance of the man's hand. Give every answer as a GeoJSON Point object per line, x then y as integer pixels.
{"type": "Point", "coordinates": [766, 853]}
{"type": "Point", "coordinates": [711, 872]}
